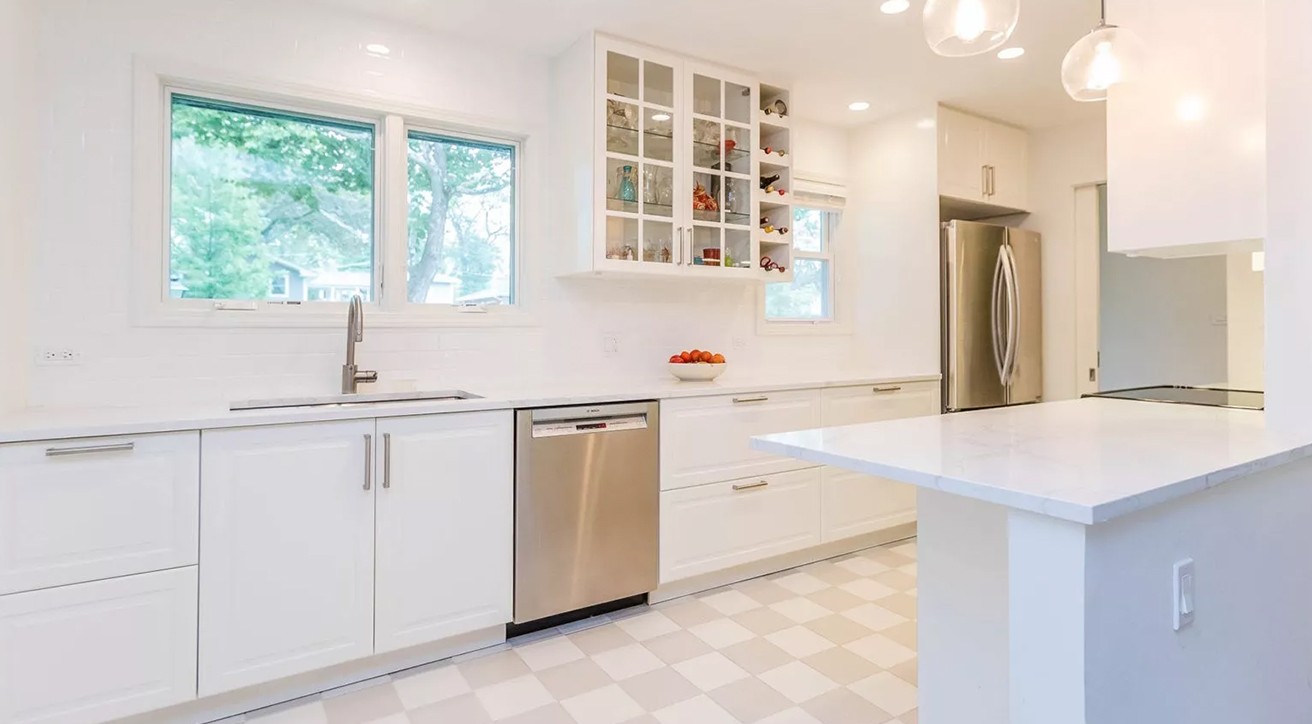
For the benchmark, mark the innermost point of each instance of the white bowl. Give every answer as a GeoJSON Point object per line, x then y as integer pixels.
{"type": "Point", "coordinates": [696, 371]}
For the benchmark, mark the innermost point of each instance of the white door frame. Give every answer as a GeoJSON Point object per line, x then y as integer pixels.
{"type": "Point", "coordinates": [1088, 252]}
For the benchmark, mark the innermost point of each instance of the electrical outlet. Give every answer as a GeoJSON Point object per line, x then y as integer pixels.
{"type": "Point", "coordinates": [58, 356]}
{"type": "Point", "coordinates": [610, 345]}
{"type": "Point", "coordinates": [739, 343]}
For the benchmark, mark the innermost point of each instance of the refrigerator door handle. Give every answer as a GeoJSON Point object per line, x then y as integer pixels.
{"type": "Point", "coordinates": [1013, 315]}
{"type": "Point", "coordinates": [995, 313]}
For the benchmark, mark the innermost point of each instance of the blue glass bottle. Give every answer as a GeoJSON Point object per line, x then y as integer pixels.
{"type": "Point", "coordinates": [628, 189]}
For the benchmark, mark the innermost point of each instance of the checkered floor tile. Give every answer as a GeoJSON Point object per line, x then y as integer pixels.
{"type": "Point", "coordinates": [833, 641]}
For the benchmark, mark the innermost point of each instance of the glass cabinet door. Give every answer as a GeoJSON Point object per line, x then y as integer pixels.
{"type": "Point", "coordinates": [642, 132]}
{"type": "Point", "coordinates": [720, 148]}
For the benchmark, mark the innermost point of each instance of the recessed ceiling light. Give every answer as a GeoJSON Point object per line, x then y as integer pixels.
{"type": "Point", "coordinates": [1011, 53]}
{"type": "Point", "coordinates": [858, 106]}
{"type": "Point", "coordinates": [660, 117]}
{"type": "Point", "coordinates": [893, 7]}
{"type": "Point", "coordinates": [925, 123]}
{"type": "Point", "coordinates": [1191, 109]}
{"type": "Point", "coordinates": [377, 49]}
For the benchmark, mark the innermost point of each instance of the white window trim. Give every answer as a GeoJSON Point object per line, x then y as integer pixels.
{"type": "Point", "coordinates": [839, 320]}
{"type": "Point", "coordinates": [155, 80]}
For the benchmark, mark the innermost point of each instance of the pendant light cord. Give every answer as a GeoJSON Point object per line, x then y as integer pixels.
{"type": "Point", "coordinates": [1102, 11]}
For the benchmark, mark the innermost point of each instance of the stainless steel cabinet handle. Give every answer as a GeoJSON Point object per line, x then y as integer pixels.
{"type": "Point", "coordinates": [751, 486]}
{"type": "Point", "coordinates": [745, 400]}
{"type": "Point", "coordinates": [55, 452]}
{"type": "Point", "coordinates": [993, 187]}
{"type": "Point", "coordinates": [679, 251]}
{"type": "Point", "coordinates": [368, 461]}
{"type": "Point", "coordinates": [895, 388]}
{"type": "Point", "coordinates": [387, 460]}
{"type": "Point", "coordinates": [983, 180]}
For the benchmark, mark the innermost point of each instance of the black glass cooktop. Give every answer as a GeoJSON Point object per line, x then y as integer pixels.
{"type": "Point", "coordinates": [1207, 396]}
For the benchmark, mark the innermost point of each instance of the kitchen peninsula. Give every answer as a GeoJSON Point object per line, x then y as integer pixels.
{"type": "Point", "coordinates": [1058, 541]}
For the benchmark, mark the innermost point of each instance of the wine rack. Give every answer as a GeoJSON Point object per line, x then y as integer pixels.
{"type": "Point", "coordinates": [774, 174]}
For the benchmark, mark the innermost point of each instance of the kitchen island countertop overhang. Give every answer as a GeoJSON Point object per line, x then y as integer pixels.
{"type": "Point", "coordinates": [1087, 461]}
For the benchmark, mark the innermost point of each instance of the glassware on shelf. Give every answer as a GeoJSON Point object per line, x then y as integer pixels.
{"type": "Point", "coordinates": [625, 184]}
{"type": "Point", "coordinates": [649, 192]}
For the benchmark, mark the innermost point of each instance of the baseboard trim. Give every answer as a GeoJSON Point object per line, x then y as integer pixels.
{"type": "Point", "coordinates": [362, 671]}
{"type": "Point", "coordinates": [715, 579]}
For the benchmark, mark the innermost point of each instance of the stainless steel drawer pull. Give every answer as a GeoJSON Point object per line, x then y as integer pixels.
{"type": "Point", "coordinates": [744, 400]}
{"type": "Point", "coordinates": [751, 486]}
{"type": "Point", "coordinates": [387, 460]}
{"type": "Point", "coordinates": [895, 388]}
{"type": "Point", "coordinates": [55, 452]}
{"type": "Point", "coordinates": [368, 461]}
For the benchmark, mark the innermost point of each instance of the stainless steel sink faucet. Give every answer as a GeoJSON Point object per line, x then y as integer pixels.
{"type": "Point", "coordinates": [351, 375]}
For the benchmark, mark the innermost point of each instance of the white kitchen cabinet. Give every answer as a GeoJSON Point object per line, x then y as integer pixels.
{"type": "Point", "coordinates": [982, 162]}
{"type": "Point", "coordinates": [286, 552]}
{"type": "Point", "coordinates": [708, 439]}
{"type": "Point", "coordinates": [872, 403]}
{"type": "Point", "coordinates": [638, 134]}
{"type": "Point", "coordinates": [854, 504]}
{"type": "Point", "coordinates": [98, 651]}
{"type": "Point", "coordinates": [445, 526]}
{"type": "Point", "coordinates": [1186, 140]}
{"type": "Point", "coordinates": [712, 527]}
{"type": "Point", "coordinates": [79, 510]}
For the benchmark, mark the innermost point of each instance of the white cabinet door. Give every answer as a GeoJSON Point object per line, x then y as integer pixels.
{"type": "Point", "coordinates": [854, 504]}
{"type": "Point", "coordinates": [73, 511]}
{"type": "Point", "coordinates": [872, 403]}
{"type": "Point", "coordinates": [445, 531]}
{"type": "Point", "coordinates": [961, 139]}
{"type": "Point", "coordinates": [98, 651]}
{"type": "Point", "coordinates": [286, 553]}
{"type": "Point", "coordinates": [1007, 154]}
{"type": "Point", "coordinates": [707, 439]}
{"type": "Point", "coordinates": [713, 527]}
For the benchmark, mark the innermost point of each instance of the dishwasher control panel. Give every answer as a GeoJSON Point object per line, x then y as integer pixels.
{"type": "Point", "coordinates": [557, 428]}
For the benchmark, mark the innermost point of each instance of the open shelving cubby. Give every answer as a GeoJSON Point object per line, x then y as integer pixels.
{"type": "Point", "coordinates": [774, 165]}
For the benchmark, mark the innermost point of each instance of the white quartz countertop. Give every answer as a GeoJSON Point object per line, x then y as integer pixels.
{"type": "Point", "coordinates": [1086, 461]}
{"type": "Point", "coordinates": [54, 424]}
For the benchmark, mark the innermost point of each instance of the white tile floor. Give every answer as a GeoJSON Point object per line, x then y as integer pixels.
{"type": "Point", "coordinates": [833, 641]}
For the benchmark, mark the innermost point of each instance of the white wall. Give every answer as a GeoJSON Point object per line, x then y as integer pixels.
{"type": "Point", "coordinates": [1061, 158]}
{"type": "Point", "coordinates": [1161, 321]}
{"type": "Point", "coordinates": [82, 260]}
{"type": "Point", "coordinates": [16, 29]}
{"type": "Point", "coordinates": [1248, 655]}
{"type": "Point", "coordinates": [819, 151]}
{"type": "Point", "coordinates": [1245, 323]}
{"type": "Point", "coordinates": [1289, 216]}
{"type": "Point", "coordinates": [893, 209]}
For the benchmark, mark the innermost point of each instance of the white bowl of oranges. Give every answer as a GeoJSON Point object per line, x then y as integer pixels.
{"type": "Point", "coordinates": [697, 365]}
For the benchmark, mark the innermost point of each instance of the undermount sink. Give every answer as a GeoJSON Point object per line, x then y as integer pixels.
{"type": "Point", "coordinates": [356, 399]}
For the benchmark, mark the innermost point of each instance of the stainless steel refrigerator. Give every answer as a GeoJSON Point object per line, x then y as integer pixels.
{"type": "Point", "coordinates": [992, 316]}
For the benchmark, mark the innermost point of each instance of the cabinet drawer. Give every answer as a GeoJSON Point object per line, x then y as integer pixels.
{"type": "Point", "coordinates": [853, 504]}
{"type": "Point", "coordinates": [713, 527]}
{"type": "Point", "coordinates": [873, 403]}
{"type": "Point", "coordinates": [80, 510]}
{"type": "Point", "coordinates": [98, 651]}
{"type": "Point", "coordinates": [707, 439]}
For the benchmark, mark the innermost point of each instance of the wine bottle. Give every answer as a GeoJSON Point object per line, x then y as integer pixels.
{"type": "Point", "coordinates": [768, 181]}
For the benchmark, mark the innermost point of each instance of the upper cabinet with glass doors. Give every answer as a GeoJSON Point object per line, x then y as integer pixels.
{"type": "Point", "coordinates": [669, 149]}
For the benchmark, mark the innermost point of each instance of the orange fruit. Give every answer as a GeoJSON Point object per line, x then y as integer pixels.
{"type": "Point", "coordinates": [717, 359]}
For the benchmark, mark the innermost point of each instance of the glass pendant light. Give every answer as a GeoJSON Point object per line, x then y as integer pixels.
{"type": "Point", "coordinates": [1106, 56]}
{"type": "Point", "coordinates": [969, 27]}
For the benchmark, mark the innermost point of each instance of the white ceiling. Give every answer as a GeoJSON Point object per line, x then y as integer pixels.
{"type": "Point", "coordinates": [832, 52]}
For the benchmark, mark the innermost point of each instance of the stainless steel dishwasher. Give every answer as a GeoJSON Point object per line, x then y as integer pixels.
{"type": "Point", "coordinates": [587, 506]}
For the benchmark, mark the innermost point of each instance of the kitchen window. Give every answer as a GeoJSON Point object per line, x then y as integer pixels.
{"type": "Point", "coordinates": [262, 201]}
{"type": "Point", "coordinates": [462, 221]}
{"type": "Point", "coordinates": [283, 204]}
{"type": "Point", "coordinates": [809, 297]}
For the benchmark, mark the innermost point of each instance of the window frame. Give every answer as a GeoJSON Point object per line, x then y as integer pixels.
{"type": "Point", "coordinates": [836, 322]}
{"type": "Point", "coordinates": [154, 84]}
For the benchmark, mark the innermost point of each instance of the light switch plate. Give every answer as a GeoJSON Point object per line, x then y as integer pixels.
{"type": "Point", "coordinates": [1184, 598]}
